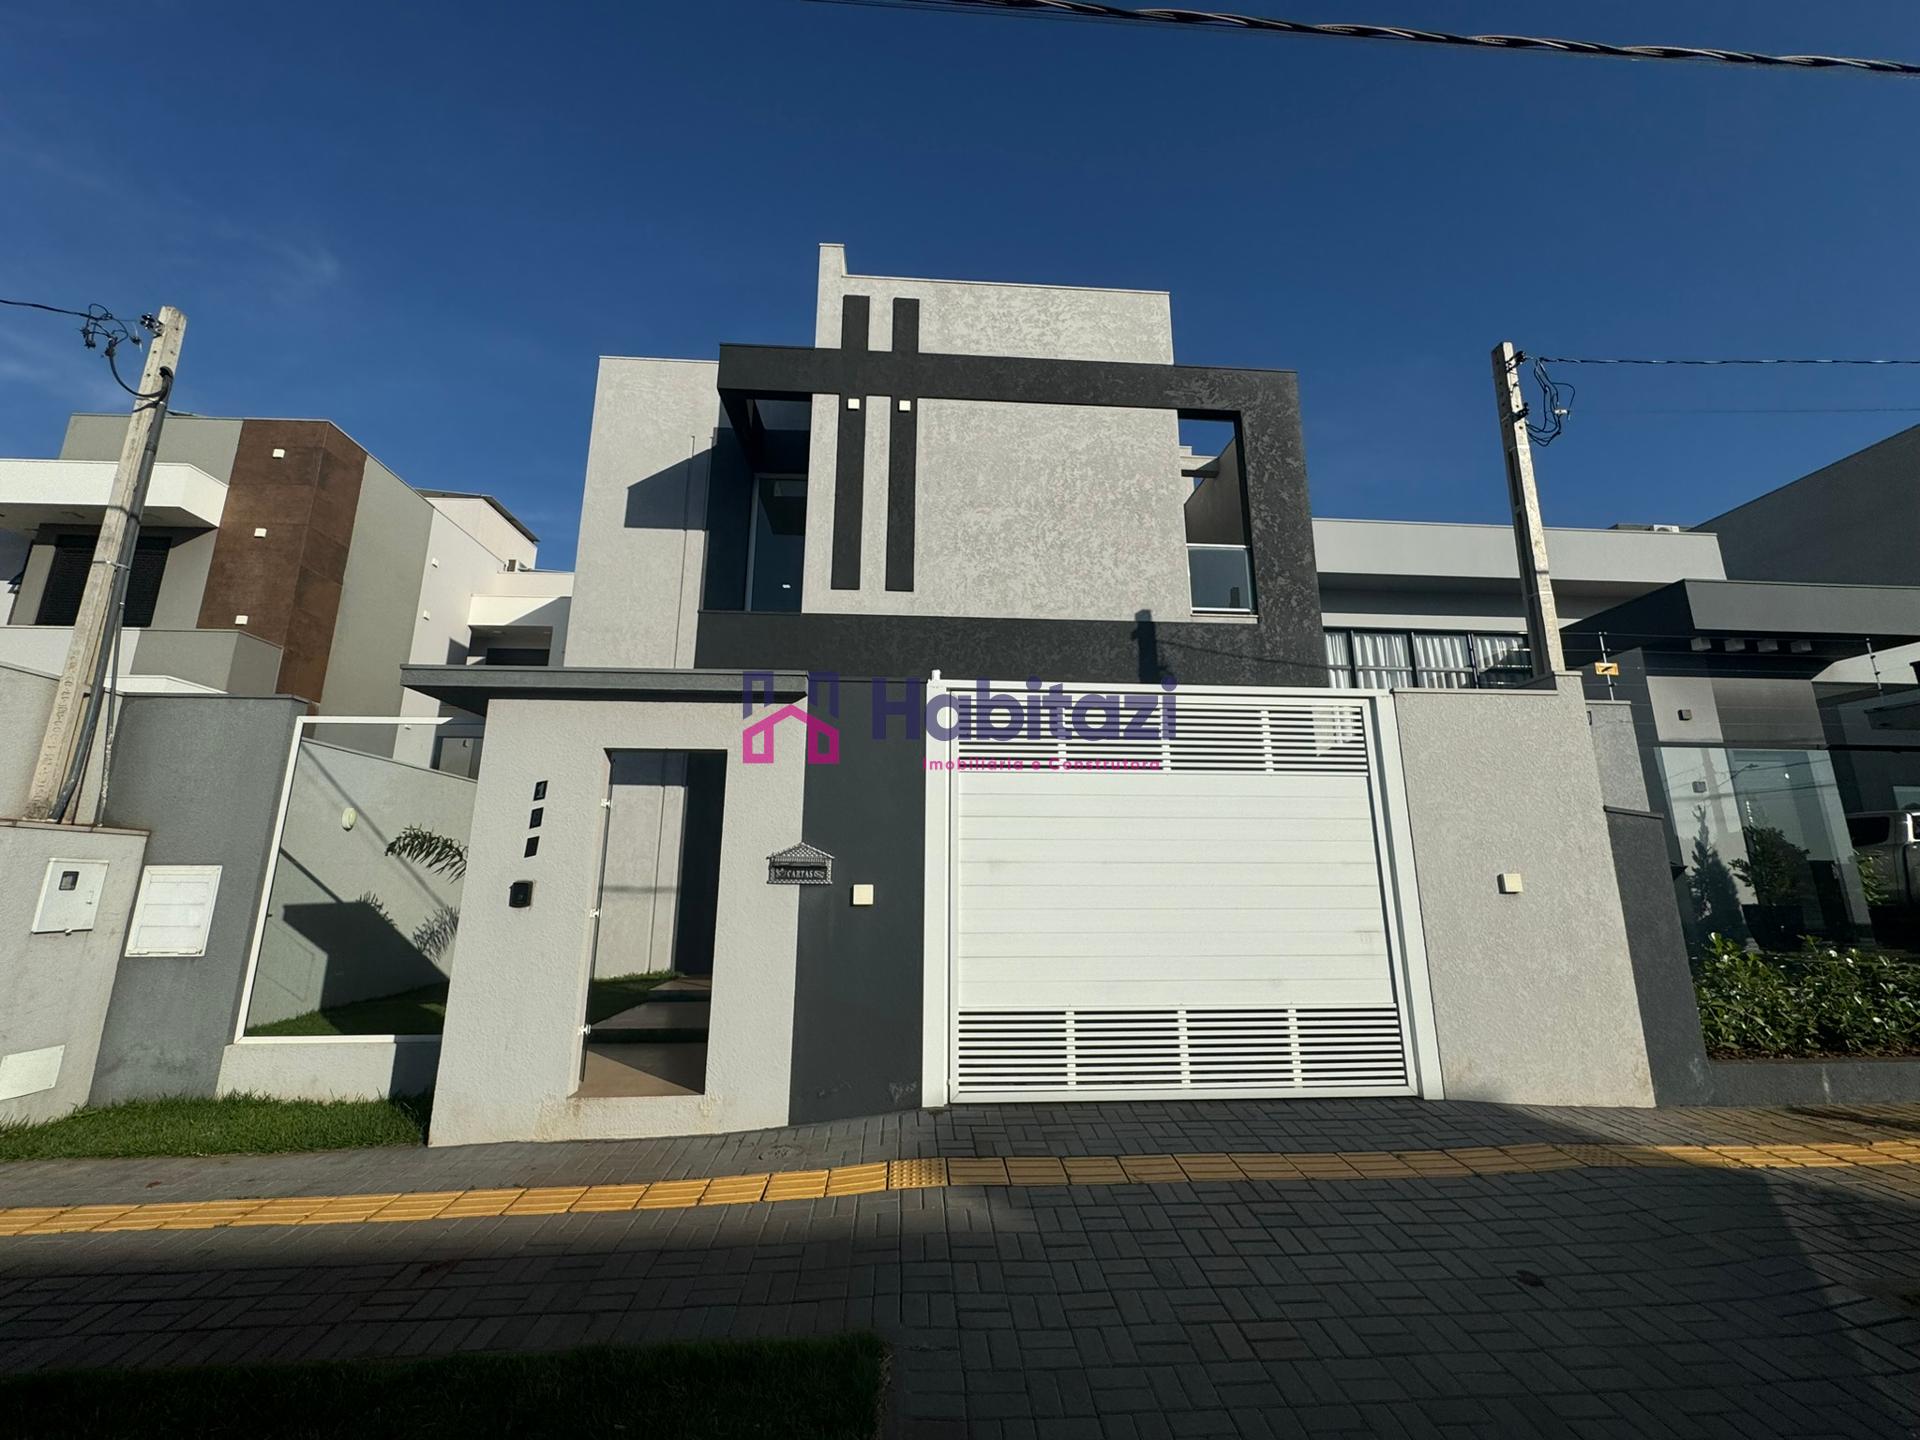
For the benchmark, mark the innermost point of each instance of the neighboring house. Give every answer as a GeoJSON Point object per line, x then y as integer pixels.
{"type": "Point", "coordinates": [275, 557]}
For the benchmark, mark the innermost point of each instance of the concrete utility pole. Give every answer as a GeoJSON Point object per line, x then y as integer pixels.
{"type": "Point", "coordinates": [1529, 535]}
{"type": "Point", "coordinates": [76, 702]}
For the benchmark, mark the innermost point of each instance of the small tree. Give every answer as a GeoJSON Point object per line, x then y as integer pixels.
{"type": "Point", "coordinates": [1710, 888]}
{"type": "Point", "coordinates": [1773, 867]}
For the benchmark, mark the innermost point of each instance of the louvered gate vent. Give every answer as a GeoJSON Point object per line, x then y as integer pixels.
{"type": "Point", "coordinates": [1210, 733]}
{"type": "Point", "coordinates": [1002, 1051]}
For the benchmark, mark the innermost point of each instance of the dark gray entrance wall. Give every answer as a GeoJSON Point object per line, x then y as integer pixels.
{"type": "Point", "coordinates": [1851, 523]}
{"type": "Point", "coordinates": [857, 991]}
{"type": "Point", "coordinates": [1658, 950]}
{"type": "Point", "coordinates": [202, 774]}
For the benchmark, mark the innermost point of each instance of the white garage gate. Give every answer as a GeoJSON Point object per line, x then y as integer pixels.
{"type": "Point", "coordinates": [1217, 905]}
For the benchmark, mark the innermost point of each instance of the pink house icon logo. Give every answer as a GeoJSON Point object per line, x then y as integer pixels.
{"type": "Point", "coordinates": [823, 740]}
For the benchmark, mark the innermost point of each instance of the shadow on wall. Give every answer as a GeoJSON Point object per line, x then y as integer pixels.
{"type": "Point", "coordinates": [663, 500]}
{"type": "Point", "coordinates": [346, 921]}
{"type": "Point", "coordinates": [1146, 644]}
{"type": "Point", "coordinates": [357, 953]}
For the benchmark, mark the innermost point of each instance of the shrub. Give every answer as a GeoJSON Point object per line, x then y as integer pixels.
{"type": "Point", "coordinates": [1820, 1001]}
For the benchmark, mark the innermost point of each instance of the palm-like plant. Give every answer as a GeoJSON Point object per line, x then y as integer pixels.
{"type": "Point", "coordinates": [440, 854]}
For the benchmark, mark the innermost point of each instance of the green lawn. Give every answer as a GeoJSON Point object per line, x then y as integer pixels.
{"type": "Point", "coordinates": [411, 1012]}
{"type": "Point", "coordinates": [232, 1125]}
{"type": "Point", "coordinates": [424, 1011]}
{"type": "Point", "coordinates": [820, 1389]}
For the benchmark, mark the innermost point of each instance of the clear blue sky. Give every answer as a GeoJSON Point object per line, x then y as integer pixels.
{"type": "Point", "coordinates": [425, 223]}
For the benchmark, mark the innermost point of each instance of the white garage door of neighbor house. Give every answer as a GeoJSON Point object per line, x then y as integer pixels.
{"type": "Point", "coordinates": [1231, 921]}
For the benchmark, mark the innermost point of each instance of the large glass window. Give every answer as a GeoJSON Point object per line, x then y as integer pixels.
{"type": "Point", "coordinates": [1429, 659]}
{"type": "Point", "coordinates": [1339, 660]}
{"type": "Point", "coordinates": [1502, 659]}
{"type": "Point", "coordinates": [1445, 661]}
{"type": "Point", "coordinates": [777, 546]}
{"type": "Point", "coordinates": [1764, 845]}
{"type": "Point", "coordinates": [1382, 659]}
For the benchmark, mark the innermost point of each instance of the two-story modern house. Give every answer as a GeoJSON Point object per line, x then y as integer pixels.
{"type": "Point", "coordinates": [950, 730]}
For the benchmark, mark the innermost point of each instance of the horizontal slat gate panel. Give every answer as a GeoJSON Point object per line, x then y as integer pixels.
{"type": "Point", "coordinates": [1301, 893]}
{"type": "Point", "coordinates": [1215, 923]}
{"type": "Point", "coordinates": [1063, 1051]}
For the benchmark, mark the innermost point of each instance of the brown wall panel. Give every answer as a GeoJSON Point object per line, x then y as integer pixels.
{"type": "Point", "coordinates": [287, 582]}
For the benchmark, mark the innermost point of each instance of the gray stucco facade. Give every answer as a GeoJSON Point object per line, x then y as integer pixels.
{"type": "Point", "coordinates": [642, 533]}
{"type": "Point", "coordinates": [1848, 523]}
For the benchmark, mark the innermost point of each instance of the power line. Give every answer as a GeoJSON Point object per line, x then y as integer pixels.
{"type": "Point", "coordinates": [1225, 20]}
{"type": "Point", "coordinates": [97, 324]}
{"type": "Point", "coordinates": [1593, 360]}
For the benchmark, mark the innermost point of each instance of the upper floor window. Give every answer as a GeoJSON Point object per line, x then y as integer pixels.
{"type": "Point", "coordinates": [777, 542]}
{"type": "Point", "coordinates": [67, 580]}
{"type": "Point", "coordinates": [1429, 659]}
{"type": "Point", "coordinates": [1220, 578]}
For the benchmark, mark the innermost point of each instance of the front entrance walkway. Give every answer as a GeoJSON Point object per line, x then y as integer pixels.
{"type": "Point", "coordinates": [1364, 1267]}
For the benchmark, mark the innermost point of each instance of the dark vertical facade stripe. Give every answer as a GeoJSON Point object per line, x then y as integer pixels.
{"type": "Point", "coordinates": [903, 455]}
{"type": "Point", "coordinates": [856, 313]}
{"type": "Point", "coordinates": [906, 327]}
{"type": "Point", "coordinates": [857, 981]}
{"type": "Point", "coordinates": [850, 462]}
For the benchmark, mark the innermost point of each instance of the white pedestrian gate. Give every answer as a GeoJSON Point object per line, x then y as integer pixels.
{"type": "Point", "coordinates": [1222, 905]}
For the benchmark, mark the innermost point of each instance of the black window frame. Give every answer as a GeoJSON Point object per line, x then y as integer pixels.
{"type": "Point", "coordinates": [66, 579]}
{"type": "Point", "coordinates": [1482, 670]}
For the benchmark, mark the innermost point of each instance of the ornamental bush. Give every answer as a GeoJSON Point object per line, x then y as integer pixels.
{"type": "Point", "coordinates": [1820, 1001]}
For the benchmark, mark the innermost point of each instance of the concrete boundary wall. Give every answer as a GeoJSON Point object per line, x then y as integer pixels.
{"type": "Point", "coordinates": [54, 988]}
{"type": "Point", "coordinates": [510, 1057]}
{"type": "Point", "coordinates": [203, 775]}
{"type": "Point", "coordinates": [1534, 993]}
{"type": "Point", "coordinates": [338, 1069]}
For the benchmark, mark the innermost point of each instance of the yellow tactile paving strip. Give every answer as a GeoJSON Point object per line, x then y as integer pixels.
{"type": "Point", "coordinates": [933, 1174]}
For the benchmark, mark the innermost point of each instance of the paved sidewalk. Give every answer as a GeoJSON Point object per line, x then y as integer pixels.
{"type": "Point", "coordinates": [1590, 1299]}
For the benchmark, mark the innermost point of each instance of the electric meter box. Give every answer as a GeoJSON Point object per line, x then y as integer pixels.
{"type": "Point", "coordinates": [69, 896]}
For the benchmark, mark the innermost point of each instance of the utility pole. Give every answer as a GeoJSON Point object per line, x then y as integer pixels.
{"type": "Point", "coordinates": [76, 701]}
{"type": "Point", "coordinates": [1529, 536]}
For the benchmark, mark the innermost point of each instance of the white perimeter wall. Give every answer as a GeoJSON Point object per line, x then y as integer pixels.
{"type": "Point", "coordinates": [510, 1057]}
